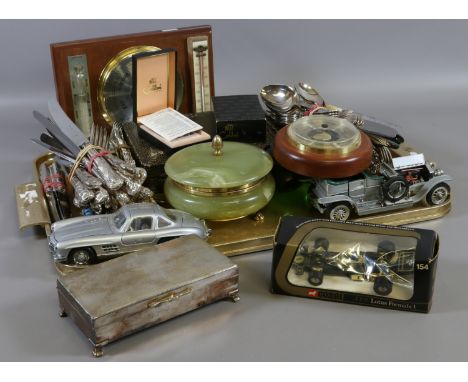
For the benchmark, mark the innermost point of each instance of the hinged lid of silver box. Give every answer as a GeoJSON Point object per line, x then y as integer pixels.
{"type": "Point", "coordinates": [115, 284]}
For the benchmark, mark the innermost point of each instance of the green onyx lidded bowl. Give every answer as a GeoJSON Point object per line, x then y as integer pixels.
{"type": "Point", "coordinates": [219, 180]}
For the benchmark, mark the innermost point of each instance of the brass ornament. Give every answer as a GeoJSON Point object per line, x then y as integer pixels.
{"type": "Point", "coordinates": [217, 145]}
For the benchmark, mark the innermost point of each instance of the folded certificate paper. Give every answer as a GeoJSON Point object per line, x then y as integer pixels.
{"type": "Point", "coordinates": [172, 128]}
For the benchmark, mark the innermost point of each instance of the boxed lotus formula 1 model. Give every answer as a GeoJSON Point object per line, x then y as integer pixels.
{"type": "Point", "coordinates": [356, 263]}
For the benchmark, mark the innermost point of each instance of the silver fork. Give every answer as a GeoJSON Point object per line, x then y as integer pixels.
{"type": "Point", "coordinates": [99, 136]}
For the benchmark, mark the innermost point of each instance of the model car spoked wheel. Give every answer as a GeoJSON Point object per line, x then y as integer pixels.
{"type": "Point", "coordinates": [438, 195]}
{"type": "Point", "coordinates": [339, 212]}
{"type": "Point", "coordinates": [395, 188]}
{"type": "Point", "coordinates": [383, 286]}
{"type": "Point", "coordinates": [315, 277]}
{"type": "Point", "coordinates": [82, 256]}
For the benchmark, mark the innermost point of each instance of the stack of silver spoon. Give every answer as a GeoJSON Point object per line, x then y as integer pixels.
{"type": "Point", "coordinates": [285, 104]}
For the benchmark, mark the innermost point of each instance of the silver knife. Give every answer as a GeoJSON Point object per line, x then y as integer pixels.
{"type": "Point", "coordinates": [54, 150]}
{"type": "Point", "coordinates": [54, 142]}
{"type": "Point", "coordinates": [66, 125]}
{"type": "Point", "coordinates": [57, 133]}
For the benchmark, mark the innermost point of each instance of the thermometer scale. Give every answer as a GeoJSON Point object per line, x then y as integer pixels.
{"type": "Point", "coordinates": [198, 49]}
{"type": "Point", "coordinates": [79, 81]}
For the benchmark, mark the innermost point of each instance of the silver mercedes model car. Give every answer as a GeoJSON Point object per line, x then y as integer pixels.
{"type": "Point", "coordinates": [85, 240]}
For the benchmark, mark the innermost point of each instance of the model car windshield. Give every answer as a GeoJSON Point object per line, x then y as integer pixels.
{"type": "Point", "coordinates": [119, 220]}
{"type": "Point", "coordinates": [170, 215]}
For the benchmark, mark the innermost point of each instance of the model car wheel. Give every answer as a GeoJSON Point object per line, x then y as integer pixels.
{"type": "Point", "coordinates": [322, 242]}
{"type": "Point", "coordinates": [438, 195]}
{"type": "Point", "coordinates": [298, 265]}
{"type": "Point", "coordinates": [315, 277]}
{"type": "Point", "coordinates": [385, 247]}
{"type": "Point", "coordinates": [383, 286]}
{"type": "Point", "coordinates": [82, 256]}
{"type": "Point", "coordinates": [339, 212]}
{"type": "Point", "coordinates": [395, 188]}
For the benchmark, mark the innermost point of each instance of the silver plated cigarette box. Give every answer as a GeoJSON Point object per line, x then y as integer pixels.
{"type": "Point", "coordinates": [113, 299]}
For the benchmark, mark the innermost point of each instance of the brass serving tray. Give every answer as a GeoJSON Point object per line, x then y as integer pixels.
{"type": "Point", "coordinates": [247, 235]}
{"type": "Point", "coordinates": [235, 237]}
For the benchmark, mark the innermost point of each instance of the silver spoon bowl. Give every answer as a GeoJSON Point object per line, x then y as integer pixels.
{"type": "Point", "coordinates": [309, 94]}
{"type": "Point", "coordinates": [279, 98]}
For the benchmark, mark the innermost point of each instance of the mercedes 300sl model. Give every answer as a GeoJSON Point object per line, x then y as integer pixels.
{"type": "Point", "coordinates": [85, 240]}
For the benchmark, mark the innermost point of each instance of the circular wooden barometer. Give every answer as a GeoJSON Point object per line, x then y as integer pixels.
{"type": "Point", "coordinates": [323, 147]}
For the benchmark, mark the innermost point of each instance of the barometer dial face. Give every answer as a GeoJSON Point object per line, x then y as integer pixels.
{"type": "Point", "coordinates": [115, 97]}
{"type": "Point", "coordinates": [324, 134]}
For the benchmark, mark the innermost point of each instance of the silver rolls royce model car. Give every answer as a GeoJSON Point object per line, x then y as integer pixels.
{"type": "Point", "coordinates": [410, 181]}
{"type": "Point", "coordinates": [85, 240]}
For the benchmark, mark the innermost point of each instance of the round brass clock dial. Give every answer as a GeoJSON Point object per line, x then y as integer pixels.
{"type": "Point", "coordinates": [115, 86]}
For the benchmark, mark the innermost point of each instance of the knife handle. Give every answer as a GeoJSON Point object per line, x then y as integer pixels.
{"type": "Point", "coordinates": [83, 195]}
{"type": "Point", "coordinates": [53, 183]}
{"type": "Point", "coordinates": [103, 170]}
